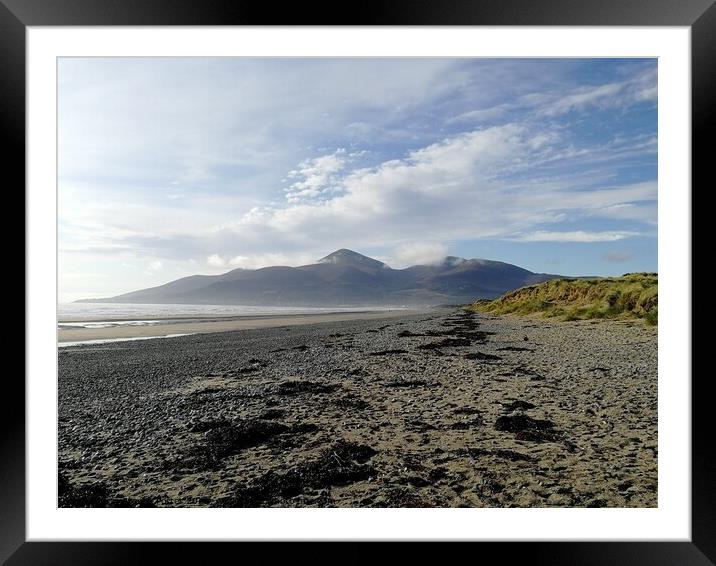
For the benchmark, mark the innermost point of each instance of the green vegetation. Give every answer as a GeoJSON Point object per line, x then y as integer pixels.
{"type": "Point", "coordinates": [633, 295]}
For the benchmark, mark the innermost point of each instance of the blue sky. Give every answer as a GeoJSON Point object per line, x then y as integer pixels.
{"type": "Point", "coordinates": [170, 167]}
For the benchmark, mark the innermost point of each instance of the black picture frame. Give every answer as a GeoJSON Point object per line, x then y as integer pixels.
{"type": "Point", "coordinates": [17, 15]}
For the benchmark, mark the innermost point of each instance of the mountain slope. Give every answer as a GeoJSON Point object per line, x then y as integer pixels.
{"type": "Point", "coordinates": [343, 278]}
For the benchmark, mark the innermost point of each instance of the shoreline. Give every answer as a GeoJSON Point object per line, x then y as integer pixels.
{"type": "Point", "coordinates": [61, 319]}
{"type": "Point", "coordinates": [202, 324]}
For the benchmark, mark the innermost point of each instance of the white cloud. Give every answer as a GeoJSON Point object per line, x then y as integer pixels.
{"type": "Point", "coordinates": [645, 211]}
{"type": "Point", "coordinates": [482, 114]}
{"type": "Point", "coordinates": [640, 88]}
{"type": "Point", "coordinates": [418, 253]}
{"type": "Point", "coordinates": [399, 198]}
{"type": "Point", "coordinates": [468, 186]}
{"type": "Point", "coordinates": [155, 265]}
{"type": "Point", "coordinates": [256, 261]}
{"type": "Point", "coordinates": [215, 260]}
{"type": "Point", "coordinates": [575, 236]}
{"type": "Point", "coordinates": [582, 98]}
{"type": "Point", "coordinates": [316, 176]}
{"type": "Point", "coordinates": [644, 87]}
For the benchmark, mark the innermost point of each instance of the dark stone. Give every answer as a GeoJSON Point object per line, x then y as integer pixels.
{"type": "Point", "coordinates": [490, 485]}
{"type": "Point", "coordinates": [527, 428]}
{"type": "Point", "coordinates": [388, 352]}
{"type": "Point", "coordinates": [446, 343]}
{"type": "Point", "coordinates": [481, 356]}
{"type": "Point", "coordinates": [272, 414]}
{"type": "Point", "coordinates": [502, 453]}
{"type": "Point", "coordinates": [351, 402]}
{"type": "Point", "coordinates": [518, 405]}
{"type": "Point", "coordinates": [437, 474]}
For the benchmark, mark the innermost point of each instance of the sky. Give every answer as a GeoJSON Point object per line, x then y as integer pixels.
{"type": "Point", "coordinates": [176, 166]}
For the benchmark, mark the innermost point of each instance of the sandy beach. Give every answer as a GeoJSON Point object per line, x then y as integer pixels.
{"type": "Point", "coordinates": [438, 409]}
{"type": "Point", "coordinates": [201, 325]}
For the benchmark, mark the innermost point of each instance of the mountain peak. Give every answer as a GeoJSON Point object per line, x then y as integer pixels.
{"type": "Point", "coordinates": [349, 257]}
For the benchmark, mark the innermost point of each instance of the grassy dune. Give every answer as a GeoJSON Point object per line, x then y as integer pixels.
{"type": "Point", "coordinates": [633, 295]}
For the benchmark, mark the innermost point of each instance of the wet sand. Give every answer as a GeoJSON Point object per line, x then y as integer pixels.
{"type": "Point", "coordinates": [197, 325]}
{"type": "Point", "coordinates": [440, 409]}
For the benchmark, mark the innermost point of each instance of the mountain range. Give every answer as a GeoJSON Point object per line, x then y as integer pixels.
{"type": "Point", "coordinates": [343, 278]}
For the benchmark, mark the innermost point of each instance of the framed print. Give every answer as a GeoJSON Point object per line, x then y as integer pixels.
{"type": "Point", "coordinates": [391, 278]}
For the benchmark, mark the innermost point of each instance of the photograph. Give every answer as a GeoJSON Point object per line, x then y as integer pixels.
{"type": "Point", "coordinates": [357, 282]}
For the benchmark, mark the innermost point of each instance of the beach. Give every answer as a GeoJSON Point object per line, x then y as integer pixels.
{"type": "Point", "coordinates": [422, 409]}
{"type": "Point", "coordinates": [183, 325]}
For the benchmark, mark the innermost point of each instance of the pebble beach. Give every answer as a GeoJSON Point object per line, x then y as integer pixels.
{"type": "Point", "coordinates": [433, 409]}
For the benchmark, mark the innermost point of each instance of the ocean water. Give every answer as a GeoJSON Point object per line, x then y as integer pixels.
{"type": "Point", "coordinates": [106, 315]}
